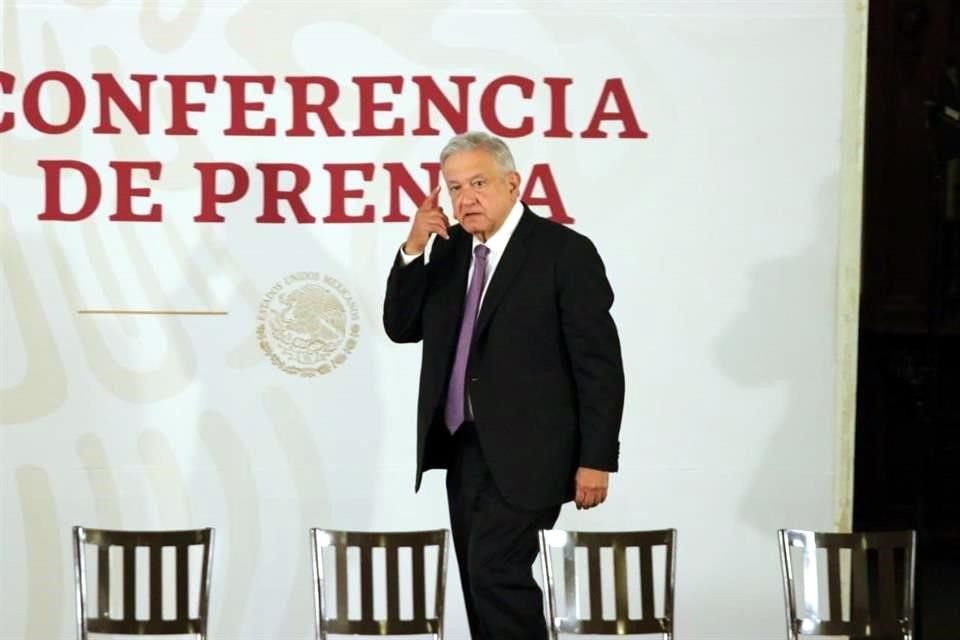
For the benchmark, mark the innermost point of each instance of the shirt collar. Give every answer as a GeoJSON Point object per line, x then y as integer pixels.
{"type": "Point", "coordinates": [498, 241]}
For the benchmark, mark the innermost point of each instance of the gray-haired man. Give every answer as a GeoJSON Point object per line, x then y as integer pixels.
{"type": "Point", "coordinates": [521, 382]}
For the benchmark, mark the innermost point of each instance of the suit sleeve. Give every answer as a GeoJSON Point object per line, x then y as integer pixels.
{"type": "Point", "coordinates": [403, 303]}
{"type": "Point", "coordinates": [585, 298]}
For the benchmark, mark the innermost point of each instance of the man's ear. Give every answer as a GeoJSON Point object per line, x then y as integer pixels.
{"type": "Point", "coordinates": [513, 179]}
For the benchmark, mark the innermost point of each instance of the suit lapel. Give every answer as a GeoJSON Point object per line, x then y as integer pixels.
{"type": "Point", "coordinates": [454, 289]}
{"type": "Point", "coordinates": [455, 282]}
{"type": "Point", "coordinates": [510, 263]}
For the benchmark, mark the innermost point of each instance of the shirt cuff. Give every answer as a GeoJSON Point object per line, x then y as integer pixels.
{"type": "Point", "coordinates": [408, 259]}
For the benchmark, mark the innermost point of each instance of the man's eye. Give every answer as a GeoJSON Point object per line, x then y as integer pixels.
{"type": "Point", "coordinates": [479, 184]}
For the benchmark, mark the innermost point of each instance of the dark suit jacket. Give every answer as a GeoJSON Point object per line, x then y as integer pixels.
{"type": "Point", "coordinates": [545, 375]}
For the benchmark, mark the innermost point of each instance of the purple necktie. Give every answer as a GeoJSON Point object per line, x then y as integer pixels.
{"type": "Point", "coordinates": [456, 398]}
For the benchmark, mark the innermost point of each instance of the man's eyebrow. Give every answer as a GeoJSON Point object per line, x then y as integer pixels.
{"type": "Point", "coordinates": [473, 177]}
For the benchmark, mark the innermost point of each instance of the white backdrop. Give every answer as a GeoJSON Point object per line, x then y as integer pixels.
{"type": "Point", "coordinates": [719, 231]}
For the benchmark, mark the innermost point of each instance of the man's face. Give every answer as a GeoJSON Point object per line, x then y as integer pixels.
{"type": "Point", "coordinates": [481, 192]}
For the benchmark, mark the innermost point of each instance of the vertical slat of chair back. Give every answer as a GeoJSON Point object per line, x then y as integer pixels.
{"type": "Point", "coordinates": [549, 583]}
{"type": "Point", "coordinates": [391, 543]}
{"type": "Point", "coordinates": [910, 571]}
{"type": "Point", "coordinates": [341, 564]}
{"type": "Point", "coordinates": [317, 542]}
{"type": "Point", "coordinates": [441, 588]}
{"type": "Point", "coordinates": [366, 581]}
{"type": "Point", "coordinates": [859, 584]}
{"type": "Point", "coordinates": [419, 584]}
{"type": "Point", "coordinates": [834, 591]}
{"type": "Point", "coordinates": [646, 581]}
{"type": "Point", "coordinates": [571, 593]}
{"type": "Point", "coordinates": [128, 542]}
{"type": "Point", "coordinates": [130, 583]}
{"type": "Point", "coordinates": [80, 581]}
{"type": "Point", "coordinates": [883, 606]}
{"type": "Point", "coordinates": [103, 581]}
{"type": "Point", "coordinates": [595, 590]}
{"type": "Point", "coordinates": [393, 581]}
{"type": "Point", "coordinates": [572, 618]}
{"type": "Point", "coordinates": [621, 593]}
{"type": "Point", "coordinates": [182, 583]}
{"type": "Point", "coordinates": [156, 582]}
{"type": "Point", "coordinates": [670, 583]}
{"type": "Point", "coordinates": [811, 582]}
{"type": "Point", "coordinates": [206, 579]}
{"type": "Point", "coordinates": [787, 575]}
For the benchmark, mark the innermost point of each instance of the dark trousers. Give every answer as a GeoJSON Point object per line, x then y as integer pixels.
{"type": "Point", "coordinates": [496, 545]}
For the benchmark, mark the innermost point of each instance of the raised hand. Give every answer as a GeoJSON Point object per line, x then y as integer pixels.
{"type": "Point", "coordinates": [429, 218]}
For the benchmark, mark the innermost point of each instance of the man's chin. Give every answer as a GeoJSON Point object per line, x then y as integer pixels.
{"type": "Point", "coordinates": [473, 226]}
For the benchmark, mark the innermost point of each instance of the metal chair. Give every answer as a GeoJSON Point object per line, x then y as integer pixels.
{"type": "Point", "coordinates": [571, 620]}
{"type": "Point", "coordinates": [129, 541]}
{"type": "Point", "coordinates": [876, 580]}
{"type": "Point", "coordinates": [393, 624]}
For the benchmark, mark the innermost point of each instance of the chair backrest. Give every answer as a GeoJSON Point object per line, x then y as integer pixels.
{"type": "Point", "coordinates": [338, 620]}
{"type": "Point", "coordinates": [100, 620]}
{"type": "Point", "coordinates": [571, 619]}
{"type": "Point", "coordinates": [871, 572]}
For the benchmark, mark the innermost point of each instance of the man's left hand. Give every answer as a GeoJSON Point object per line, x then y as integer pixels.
{"type": "Point", "coordinates": [591, 487]}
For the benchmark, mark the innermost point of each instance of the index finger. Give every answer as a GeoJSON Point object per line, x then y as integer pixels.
{"type": "Point", "coordinates": [432, 200]}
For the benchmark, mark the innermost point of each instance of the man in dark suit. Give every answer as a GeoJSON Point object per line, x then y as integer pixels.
{"type": "Point", "coordinates": [521, 380]}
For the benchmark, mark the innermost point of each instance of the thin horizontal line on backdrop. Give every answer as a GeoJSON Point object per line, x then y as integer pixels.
{"type": "Point", "coordinates": [148, 312]}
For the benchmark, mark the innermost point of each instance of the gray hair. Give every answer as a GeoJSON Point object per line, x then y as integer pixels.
{"type": "Point", "coordinates": [473, 140]}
